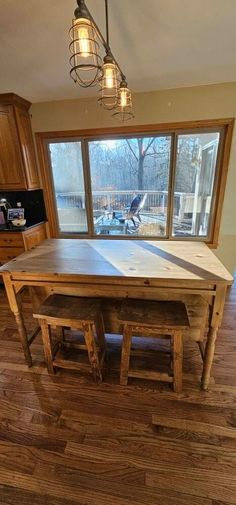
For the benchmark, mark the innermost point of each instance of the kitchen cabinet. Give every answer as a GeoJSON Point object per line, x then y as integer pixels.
{"type": "Point", "coordinates": [34, 236]}
{"type": "Point", "coordinates": [13, 243]}
{"type": "Point", "coordinates": [18, 169]}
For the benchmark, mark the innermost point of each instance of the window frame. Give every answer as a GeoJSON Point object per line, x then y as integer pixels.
{"type": "Point", "coordinates": [223, 126]}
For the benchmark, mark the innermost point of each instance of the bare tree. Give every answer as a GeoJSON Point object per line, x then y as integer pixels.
{"type": "Point", "coordinates": [140, 157]}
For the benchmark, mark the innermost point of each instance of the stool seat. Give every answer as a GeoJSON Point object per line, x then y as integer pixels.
{"type": "Point", "coordinates": [69, 308]}
{"type": "Point", "coordinates": [77, 313]}
{"type": "Point", "coordinates": [144, 318]}
{"type": "Point", "coordinates": [160, 314]}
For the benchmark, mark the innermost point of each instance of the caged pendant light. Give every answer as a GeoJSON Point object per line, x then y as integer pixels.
{"type": "Point", "coordinates": [109, 83]}
{"type": "Point", "coordinates": [85, 59]}
{"type": "Point", "coordinates": [124, 102]}
{"type": "Point", "coordinates": [87, 66]}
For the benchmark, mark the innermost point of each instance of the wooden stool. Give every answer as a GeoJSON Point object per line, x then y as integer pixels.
{"type": "Point", "coordinates": [144, 318]}
{"type": "Point", "coordinates": [76, 313]}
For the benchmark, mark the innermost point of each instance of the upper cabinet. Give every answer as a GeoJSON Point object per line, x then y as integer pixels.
{"type": "Point", "coordinates": [18, 169]}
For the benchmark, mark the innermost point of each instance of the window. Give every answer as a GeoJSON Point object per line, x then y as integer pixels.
{"type": "Point", "coordinates": [68, 183]}
{"type": "Point", "coordinates": [129, 180]}
{"type": "Point", "coordinates": [196, 165]}
{"type": "Point", "coordinates": [152, 182]}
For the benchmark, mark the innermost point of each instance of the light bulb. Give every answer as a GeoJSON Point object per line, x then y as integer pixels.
{"type": "Point", "coordinates": [84, 45]}
{"type": "Point", "coordinates": [109, 78]}
{"type": "Point", "coordinates": [123, 98]}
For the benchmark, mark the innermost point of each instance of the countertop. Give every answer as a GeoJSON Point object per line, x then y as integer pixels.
{"type": "Point", "coordinates": [10, 227]}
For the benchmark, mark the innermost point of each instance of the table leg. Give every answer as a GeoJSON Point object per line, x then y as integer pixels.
{"type": "Point", "coordinates": [215, 322]}
{"type": "Point", "coordinates": [16, 309]}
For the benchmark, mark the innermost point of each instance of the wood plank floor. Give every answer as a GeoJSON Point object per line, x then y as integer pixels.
{"type": "Point", "coordinates": [65, 440]}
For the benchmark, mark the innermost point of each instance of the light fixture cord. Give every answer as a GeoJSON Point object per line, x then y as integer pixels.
{"type": "Point", "coordinates": [108, 49]}
{"type": "Point", "coordinates": [107, 25]}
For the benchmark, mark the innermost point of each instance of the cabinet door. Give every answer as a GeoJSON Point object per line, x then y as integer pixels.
{"type": "Point", "coordinates": [34, 236]}
{"type": "Point", "coordinates": [9, 253]}
{"type": "Point", "coordinates": [11, 163]}
{"type": "Point", "coordinates": [27, 147]}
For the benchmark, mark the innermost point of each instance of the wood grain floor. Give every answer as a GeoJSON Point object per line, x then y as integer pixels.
{"type": "Point", "coordinates": [65, 440]}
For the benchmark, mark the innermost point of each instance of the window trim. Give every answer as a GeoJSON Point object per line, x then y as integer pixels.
{"type": "Point", "coordinates": [224, 126]}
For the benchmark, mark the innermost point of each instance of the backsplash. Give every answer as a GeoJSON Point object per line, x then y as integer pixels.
{"type": "Point", "coordinates": [32, 201]}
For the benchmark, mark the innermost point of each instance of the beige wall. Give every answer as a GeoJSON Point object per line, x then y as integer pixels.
{"type": "Point", "coordinates": [202, 102]}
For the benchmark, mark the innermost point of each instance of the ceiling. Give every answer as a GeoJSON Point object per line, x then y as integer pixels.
{"type": "Point", "coordinates": [158, 44]}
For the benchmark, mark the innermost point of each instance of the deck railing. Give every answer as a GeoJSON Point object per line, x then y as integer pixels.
{"type": "Point", "coordinates": [114, 200]}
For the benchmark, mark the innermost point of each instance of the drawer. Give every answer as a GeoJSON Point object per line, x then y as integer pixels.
{"type": "Point", "coordinates": [11, 239]}
{"type": "Point", "coordinates": [8, 253]}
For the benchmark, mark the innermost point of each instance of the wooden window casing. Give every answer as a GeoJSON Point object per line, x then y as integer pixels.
{"type": "Point", "coordinates": [223, 126]}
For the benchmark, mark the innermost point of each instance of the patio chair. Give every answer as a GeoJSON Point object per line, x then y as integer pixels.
{"type": "Point", "coordinates": [136, 206]}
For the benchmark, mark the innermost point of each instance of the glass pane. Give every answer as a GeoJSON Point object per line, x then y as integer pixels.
{"type": "Point", "coordinates": [67, 171]}
{"type": "Point", "coordinates": [130, 180]}
{"type": "Point", "coordinates": [194, 182]}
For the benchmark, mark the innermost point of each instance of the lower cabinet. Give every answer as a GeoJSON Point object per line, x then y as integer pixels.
{"type": "Point", "coordinates": [13, 243]}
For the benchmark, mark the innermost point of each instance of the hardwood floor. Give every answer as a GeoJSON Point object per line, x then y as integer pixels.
{"type": "Point", "coordinates": [65, 440]}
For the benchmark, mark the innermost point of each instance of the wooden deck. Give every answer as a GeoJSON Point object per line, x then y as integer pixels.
{"type": "Point", "coordinates": [65, 440]}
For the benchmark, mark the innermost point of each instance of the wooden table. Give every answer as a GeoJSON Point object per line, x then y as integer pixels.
{"type": "Point", "coordinates": [121, 268]}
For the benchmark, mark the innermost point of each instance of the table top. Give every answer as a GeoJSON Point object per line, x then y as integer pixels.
{"type": "Point", "coordinates": [190, 262]}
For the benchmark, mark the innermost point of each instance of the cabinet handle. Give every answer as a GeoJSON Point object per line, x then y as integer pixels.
{"type": "Point", "coordinates": [10, 257]}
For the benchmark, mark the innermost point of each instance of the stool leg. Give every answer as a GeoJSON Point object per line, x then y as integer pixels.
{"type": "Point", "coordinates": [201, 349]}
{"type": "Point", "coordinates": [178, 360]}
{"type": "Point", "coordinates": [100, 332]}
{"type": "Point", "coordinates": [47, 345]}
{"type": "Point", "coordinates": [125, 355]}
{"type": "Point", "coordinates": [92, 351]}
{"type": "Point", "coordinates": [172, 353]}
{"type": "Point", "coordinates": [60, 334]}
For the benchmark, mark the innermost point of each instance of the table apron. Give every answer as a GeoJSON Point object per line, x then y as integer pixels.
{"type": "Point", "coordinates": [118, 290]}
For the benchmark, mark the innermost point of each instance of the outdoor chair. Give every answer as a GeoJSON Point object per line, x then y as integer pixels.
{"type": "Point", "coordinates": [136, 206]}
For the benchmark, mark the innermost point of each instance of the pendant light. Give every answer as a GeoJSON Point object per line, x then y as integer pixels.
{"type": "Point", "coordinates": [87, 66]}
{"type": "Point", "coordinates": [124, 102]}
{"type": "Point", "coordinates": [109, 83]}
{"type": "Point", "coordinates": [85, 59]}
